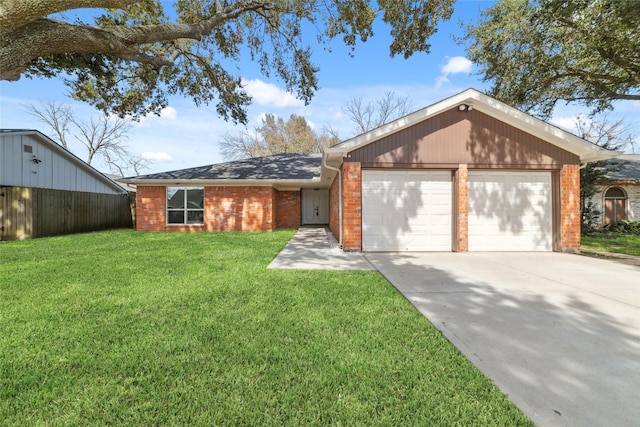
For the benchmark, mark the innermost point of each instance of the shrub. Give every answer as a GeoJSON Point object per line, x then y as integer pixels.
{"type": "Point", "coordinates": [623, 226]}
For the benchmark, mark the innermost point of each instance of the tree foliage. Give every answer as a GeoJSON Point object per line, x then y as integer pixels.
{"type": "Point", "coordinates": [536, 53]}
{"type": "Point", "coordinates": [604, 133]}
{"type": "Point", "coordinates": [275, 136]}
{"type": "Point", "coordinates": [138, 52]}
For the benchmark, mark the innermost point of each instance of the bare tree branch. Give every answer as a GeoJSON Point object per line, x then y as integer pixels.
{"type": "Point", "coordinates": [103, 137]}
{"type": "Point", "coordinates": [378, 112]}
{"type": "Point", "coordinates": [56, 116]}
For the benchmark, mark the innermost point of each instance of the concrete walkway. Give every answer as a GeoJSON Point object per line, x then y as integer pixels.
{"type": "Point", "coordinates": [558, 333]}
{"type": "Point", "coordinates": [315, 248]}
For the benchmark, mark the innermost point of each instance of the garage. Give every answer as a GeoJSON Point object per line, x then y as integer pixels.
{"type": "Point", "coordinates": [510, 211]}
{"type": "Point", "coordinates": [406, 210]}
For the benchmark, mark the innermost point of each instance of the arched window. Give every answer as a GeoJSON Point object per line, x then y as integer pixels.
{"type": "Point", "coordinates": [615, 202]}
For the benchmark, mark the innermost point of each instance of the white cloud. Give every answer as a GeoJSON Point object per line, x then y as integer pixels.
{"type": "Point", "coordinates": [441, 80]}
{"type": "Point", "coordinates": [269, 94]}
{"type": "Point", "coordinates": [169, 113]}
{"type": "Point", "coordinates": [166, 114]}
{"type": "Point", "coordinates": [160, 156]}
{"type": "Point", "coordinates": [568, 123]}
{"type": "Point", "coordinates": [456, 65]}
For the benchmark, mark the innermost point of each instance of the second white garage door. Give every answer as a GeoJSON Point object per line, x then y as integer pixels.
{"type": "Point", "coordinates": [406, 210]}
{"type": "Point", "coordinates": [510, 211]}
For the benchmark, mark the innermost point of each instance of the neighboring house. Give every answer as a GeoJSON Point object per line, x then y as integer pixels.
{"type": "Point", "coordinates": [131, 189]}
{"type": "Point", "coordinates": [46, 190]}
{"type": "Point", "coordinates": [468, 173]}
{"type": "Point", "coordinates": [619, 199]}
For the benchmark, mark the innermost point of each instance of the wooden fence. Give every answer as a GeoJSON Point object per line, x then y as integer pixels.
{"type": "Point", "coordinates": [39, 212]}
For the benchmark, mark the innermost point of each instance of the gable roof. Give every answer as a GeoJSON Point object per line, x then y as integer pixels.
{"type": "Point", "coordinates": [278, 170]}
{"type": "Point", "coordinates": [60, 151]}
{"type": "Point", "coordinates": [472, 99]}
{"type": "Point", "coordinates": [631, 170]}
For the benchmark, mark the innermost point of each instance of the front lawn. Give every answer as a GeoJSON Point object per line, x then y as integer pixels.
{"type": "Point", "coordinates": [127, 328]}
{"type": "Point", "coordinates": [613, 242]}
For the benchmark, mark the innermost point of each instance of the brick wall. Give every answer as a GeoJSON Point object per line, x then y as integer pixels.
{"type": "Point", "coordinates": [570, 207]}
{"type": "Point", "coordinates": [351, 206]}
{"type": "Point", "coordinates": [288, 209]}
{"type": "Point", "coordinates": [239, 208]}
{"type": "Point", "coordinates": [461, 243]}
{"type": "Point", "coordinates": [151, 205]}
{"type": "Point", "coordinates": [226, 209]}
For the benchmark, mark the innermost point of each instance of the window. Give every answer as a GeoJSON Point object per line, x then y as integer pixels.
{"type": "Point", "coordinates": [615, 200]}
{"type": "Point", "coordinates": [185, 205]}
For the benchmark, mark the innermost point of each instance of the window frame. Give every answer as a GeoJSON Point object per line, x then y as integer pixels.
{"type": "Point", "coordinates": [185, 209]}
{"type": "Point", "coordinates": [613, 199]}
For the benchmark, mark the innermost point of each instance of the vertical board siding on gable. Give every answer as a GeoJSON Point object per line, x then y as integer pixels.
{"type": "Point", "coordinates": [467, 137]}
{"type": "Point", "coordinates": [53, 171]}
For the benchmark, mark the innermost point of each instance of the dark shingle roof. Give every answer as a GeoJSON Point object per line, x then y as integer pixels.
{"type": "Point", "coordinates": [631, 169]}
{"type": "Point", "coordinates": [279, 166]}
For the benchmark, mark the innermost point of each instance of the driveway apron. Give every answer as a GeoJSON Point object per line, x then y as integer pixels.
{"type": "Point", "coordinates": [558, 333]}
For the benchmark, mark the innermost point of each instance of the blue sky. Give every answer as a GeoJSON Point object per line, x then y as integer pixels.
{"type": "Point", "coordinates": [186, 136]}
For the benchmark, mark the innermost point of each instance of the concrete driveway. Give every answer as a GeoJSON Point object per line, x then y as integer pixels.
{"type": "Point", "coordinates": [558, 333]}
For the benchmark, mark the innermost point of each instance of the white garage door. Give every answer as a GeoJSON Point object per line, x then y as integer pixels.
{"type": "Point", "coordinates": [510, 211]}
{"type": "Point", "coordinates": [406, 210]}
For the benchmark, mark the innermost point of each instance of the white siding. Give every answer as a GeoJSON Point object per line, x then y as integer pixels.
{"type": "Point", "coordinates": [55, 170]}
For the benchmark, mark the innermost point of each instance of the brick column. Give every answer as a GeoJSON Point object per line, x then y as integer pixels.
{"type": "Point", "coordinates": [351, 207]}
{"type": "Point", "coordinates": [461, 243]}
{"type": "Point", "coordinates": [570, 207]}
{"type": "Point", "coordinates": [288, 209]}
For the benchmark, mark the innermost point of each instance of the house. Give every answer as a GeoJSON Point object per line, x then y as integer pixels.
{"type": "Point", "coordinates": [46, 190]}
{"type": "Point", "coordinates": [468, 173]}
{"type": "Point", "coordinates": [619, 198]}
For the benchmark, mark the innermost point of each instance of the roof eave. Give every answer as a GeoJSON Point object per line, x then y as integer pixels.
{"type": "Point", "coordinates": [277, 183]}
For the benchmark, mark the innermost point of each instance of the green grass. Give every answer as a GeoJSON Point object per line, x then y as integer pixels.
{"type": "Point", "coordinates": [613, 242]}
{"type": "Point", "coordinates": [126, 328]}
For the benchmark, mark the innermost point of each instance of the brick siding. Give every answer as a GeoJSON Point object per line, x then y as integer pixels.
{"type": "Point", "coordinates": [288, 209]}
{"type": "Point", "coordinates": [239, 209]}
{"type": "Point", "coordinates": [151, 205]}
{"type": "Point", "coordinates": [570, 207]}
{"type": "Point", "coordinates": [351, 206]}
{"type": "Point", "coordinates": [461, 243]}
{"type": "Point", "coordinates": [226, 209]}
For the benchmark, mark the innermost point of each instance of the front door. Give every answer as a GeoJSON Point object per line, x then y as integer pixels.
{"type": "Point", "coordinates": [315, 206]}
